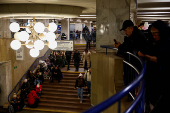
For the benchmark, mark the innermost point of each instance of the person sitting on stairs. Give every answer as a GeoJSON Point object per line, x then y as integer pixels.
{"type": "Point", "coordinates": [80, 84]}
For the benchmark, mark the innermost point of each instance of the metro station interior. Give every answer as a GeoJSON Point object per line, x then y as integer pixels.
{"type": "Point", "coordinates": [118, 48]}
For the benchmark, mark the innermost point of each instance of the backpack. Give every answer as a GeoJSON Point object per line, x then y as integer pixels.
{"type": "Point", "coordinates": [80, 82]}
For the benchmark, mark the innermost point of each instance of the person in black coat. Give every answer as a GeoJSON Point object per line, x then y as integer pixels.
{"type": "Point", "coordinates": [25, 88]}
{"type": "Point", "coordinates": [68, 58]}
{"type": "Point", "coordinates": [56, 73]}
{"type": "Point", "coordinates": [157, 80]}
{"type": "Point", "coordinates": [76, 58]}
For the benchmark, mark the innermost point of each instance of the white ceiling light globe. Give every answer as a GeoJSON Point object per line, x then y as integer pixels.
{"type": "Point", "coordinates": [15, 44]}
{"type": "Point", "coordinates": [30, 44]}
{"type": "Point", "coordinates": [52, 27]}
{"type": "Point", "coordinates": [52, 44]}
{"type": "Point", "coordinates": [39, 27]}
{"type": "Point", "coordinates": [27, 29]}
{"type": "Point", "coordinates": [14, 27]}
{"type": "Point", "coordinates": [50, 36]}
{"type": "Point", "coordinates": [39, 44]}
{"type": "Point", "coordinates": [16, 36]}
{"type": "Point", "coordinates": [23, 36]}
{"type": "Point", "coordinates": [34, 52]}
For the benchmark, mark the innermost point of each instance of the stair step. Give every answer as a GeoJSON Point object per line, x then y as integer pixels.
{"type": "Point", "coordinates": [60, 94]}
{"type": "Point", "coordinates": [63, 98]}
{"type": "Point", "coordinates": [61, 90]}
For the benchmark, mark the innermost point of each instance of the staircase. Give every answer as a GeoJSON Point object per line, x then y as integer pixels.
{"type": "Point", "coordinates": [62, 97]}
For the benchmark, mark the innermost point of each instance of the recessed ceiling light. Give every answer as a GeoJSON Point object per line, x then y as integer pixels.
{"type": "Point", "coordinates": [87, 15]}
{"type": "Point", "coordinates": [152, 12]}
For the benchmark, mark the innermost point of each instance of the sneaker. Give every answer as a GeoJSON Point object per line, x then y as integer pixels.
{"type": "Point", "coordinates": [88, 95]}
{"type": "Point", "coordinates": [80, 101]}
{"type": "Point", "coordinates": [78, 97]}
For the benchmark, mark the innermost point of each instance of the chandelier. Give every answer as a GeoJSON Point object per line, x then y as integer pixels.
{"type": "Point", "coordinates": [34, 38]}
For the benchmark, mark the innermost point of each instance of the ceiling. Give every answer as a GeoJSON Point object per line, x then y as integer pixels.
{"type": "Point", "coordinates": [147, 10]}
{"type": "Point", "coordinates": [151, 10]}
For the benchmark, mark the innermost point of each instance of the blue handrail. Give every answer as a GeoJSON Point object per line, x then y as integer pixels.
{"type": "Point", "coordinates": [115, 98]}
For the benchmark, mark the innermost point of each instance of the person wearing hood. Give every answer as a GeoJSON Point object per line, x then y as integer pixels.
{"type": "Point", "coordinates": [80, 84]}
{"type": "Point", "coordinates": [33, 99]}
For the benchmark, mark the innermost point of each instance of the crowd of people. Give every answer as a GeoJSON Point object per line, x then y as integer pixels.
{"type": "Point", "coordinates": [154, 48]}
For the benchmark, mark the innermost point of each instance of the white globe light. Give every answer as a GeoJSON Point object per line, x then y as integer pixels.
{"type": "Point", "coordinates": [23, 36]}
{"type": "Point", "coordinates": [16, 36]}
{"type": "Point", "coordinates": [50, 36]}
{"type": "Point", "coordinates": [52, 27]}
{"type": "Point", "coordinates": [39, 27]}
{"type": "Point", "coordinates": [15, 44]}
{"type": "Point", "coordinates": [30, 44]}
{"type": "Point", "coordinates": [39, 44]}
{"type": "Point", "coordinates": [52, 44]}
{"type": "Point", "coordinates": [27, 29]}
{"type": "Point", "coordinates": [34, 52]}
{"type": "Point", "coordinates": [14, 27]}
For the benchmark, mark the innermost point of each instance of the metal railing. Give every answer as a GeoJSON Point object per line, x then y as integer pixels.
{"type": "Point", "coordinates": [134, 68]}
{"type": "Point", "coordinates": [32, 67]}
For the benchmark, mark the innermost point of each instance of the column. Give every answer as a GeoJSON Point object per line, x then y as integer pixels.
{"type": "Point", "coordinates": [4, 28]}
{"type": "Point", "coordinates": [65, 27]}
{"type": "Point", "coordinates": [110, 16]}
{"type": "Point", "coordinates": [68, 32]}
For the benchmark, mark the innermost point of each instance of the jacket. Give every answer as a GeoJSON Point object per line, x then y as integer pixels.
{"type": "Point", "coordinates": [68, 55]}
{"type": "Point", "coordinates": [76, 57]}
{"type": "Point", "coordinates": [136, 42]}
{"type": "Point", "coordinates": [87, 76]}
{"type": "Point", "coordinates": [38, 89]}
{"type": "Point", "coordinates": [31, 97]}
{"type": "Point", "coordinates": [76, 84]}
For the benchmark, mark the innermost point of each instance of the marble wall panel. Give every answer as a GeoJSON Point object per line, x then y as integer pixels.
{"type": "Point", "coordinates": [104, 78]}
{"type": "Point", "coordinates": [110, 17]}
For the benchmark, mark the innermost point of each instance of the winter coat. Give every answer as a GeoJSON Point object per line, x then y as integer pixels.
{"type": "Point", "coordinates": [31, 97]}
{"type": "Point", "coordinates": [76, 57]}
{"type": "Point", "coordinates": [38, 89]}
{"type": "Point", "coordinates": [68, 55]}
{"type": "Point", "coordinates": [87, 76]}
{"type": "Point", "coordinates": [26, 86]}
{"type": "Point", "coordinates": [77, 81]}
{"type": "Point", "coordinates": [86, 56]}
{"type": "Point", "coordinates": [136, 42]}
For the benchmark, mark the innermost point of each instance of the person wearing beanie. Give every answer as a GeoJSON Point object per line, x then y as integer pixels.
{"type": "Point", "coordinates": [80, 84]}
{"type": "Point", "coordinates": [38, 90]}
{"type": "Point", "coordinates": [25, 88]}
{"type": "Point", "coordinates": [14, 102]}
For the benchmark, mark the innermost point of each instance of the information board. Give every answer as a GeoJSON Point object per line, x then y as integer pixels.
{"type": "Point", "coordinates": [64, 45]}
{"type": "Point", "coordinates": [19, 53]}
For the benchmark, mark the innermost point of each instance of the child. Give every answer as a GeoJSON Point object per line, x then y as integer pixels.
{"type": "Point", "coordinates": [80, 84]}
{"type": "Point", "coordinates": [38, 90]}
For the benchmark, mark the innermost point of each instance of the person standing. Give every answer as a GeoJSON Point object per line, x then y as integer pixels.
{"type": "Point", "coordinates": [68, 58]}
{"type": "Point", "coordinates": [76, 58]}
{"type": "Point", "coordinates": [86, 59]}
{"type": "Point", "coordinates": [80, 84]}
{"type": "Point", "coordinates": [88, 39]}
{"type": "Point", "coordinates": [87, 78]}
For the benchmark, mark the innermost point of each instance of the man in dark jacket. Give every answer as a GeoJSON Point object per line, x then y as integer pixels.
{"type": "Point", "coordinates": [68, 57]}
{"type": "Point", "coordinates": [134, 41]}
{"type": "Point", "coordinates": [76, 58]}
{"type": "Point", "coordinates": [88, 39]}
{"type": "Point", "coordinates": [25, 88]}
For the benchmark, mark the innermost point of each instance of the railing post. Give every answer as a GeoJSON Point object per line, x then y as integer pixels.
{"type": "Point", "coordinates": [119, 106]}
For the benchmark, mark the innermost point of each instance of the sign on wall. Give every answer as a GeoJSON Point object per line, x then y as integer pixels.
{"type": "Point", "coordinates": [19, 54]}
{"type": "Point", "coordinates": [64, 45]}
